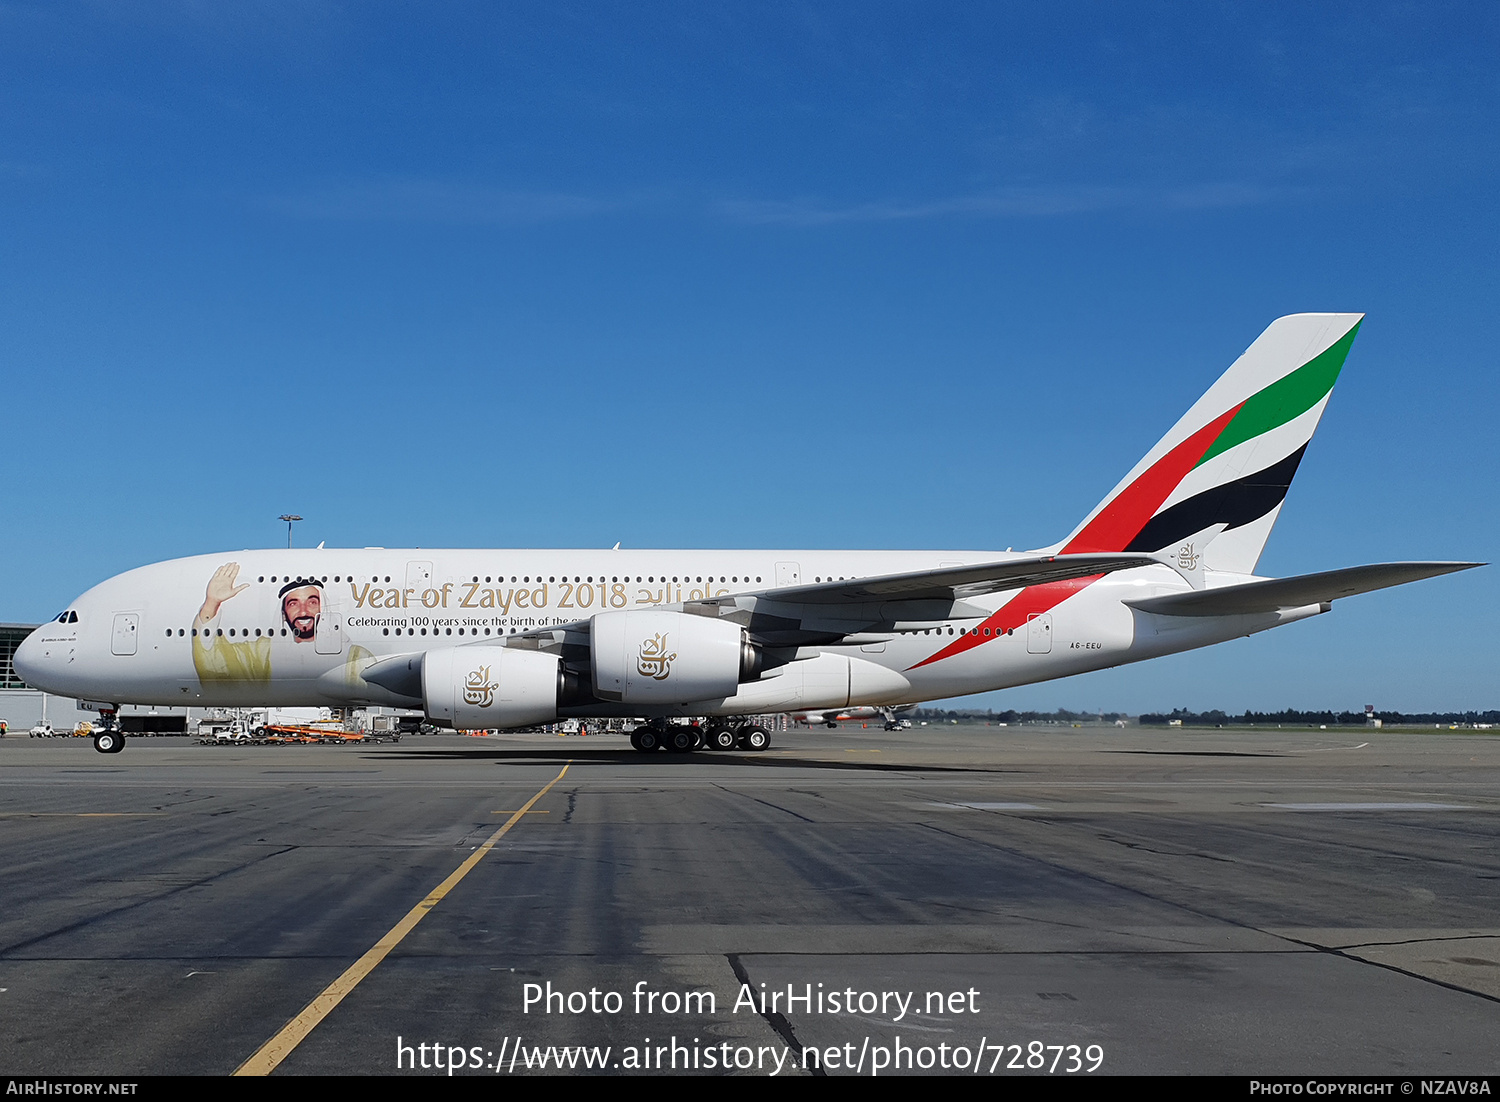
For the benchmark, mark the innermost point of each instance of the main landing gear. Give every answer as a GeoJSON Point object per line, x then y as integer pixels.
{"type": "Point", "coordinates": [682, 738]}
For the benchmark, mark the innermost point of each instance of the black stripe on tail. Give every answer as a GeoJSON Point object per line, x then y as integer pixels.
{"type": "Point", "coordinates": [1233, 504]}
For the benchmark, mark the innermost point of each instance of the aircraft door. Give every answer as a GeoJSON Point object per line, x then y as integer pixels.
{"type": "Point", "coordinates": [788, 573]}
{"type": "Point", "coordinates": [418, 577]}
{"type": "Point", "coordinates": [127, 630]}
{"type": "Point", "coordinates": [1039, 633]}
{"type": "Point", "coordinates": [329, 638]}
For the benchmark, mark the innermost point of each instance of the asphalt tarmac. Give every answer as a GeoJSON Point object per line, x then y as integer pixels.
{"type": "Point", "coordinates": [969, 899]}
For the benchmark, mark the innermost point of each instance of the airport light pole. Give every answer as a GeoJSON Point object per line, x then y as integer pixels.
{"type": "Point", "coordinates": [289, 518]}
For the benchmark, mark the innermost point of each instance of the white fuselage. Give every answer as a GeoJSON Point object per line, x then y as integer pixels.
{"type": "Point", "coordinates": [142, 636]}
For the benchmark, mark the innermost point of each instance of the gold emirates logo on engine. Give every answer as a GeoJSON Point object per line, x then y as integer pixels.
{"type": "Point", "coordinates": [479, 689]}
{"type": "Point", "coordinates": [655, 661]}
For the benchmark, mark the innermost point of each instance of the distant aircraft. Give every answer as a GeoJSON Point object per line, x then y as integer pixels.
{"type": "Point", "coordinates": [499, 639]}
{"type": "Point", "coordinates": [832, 717]}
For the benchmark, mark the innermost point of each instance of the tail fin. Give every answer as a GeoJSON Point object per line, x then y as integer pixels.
{"type": "Point", "coordinates": [1214, 485]}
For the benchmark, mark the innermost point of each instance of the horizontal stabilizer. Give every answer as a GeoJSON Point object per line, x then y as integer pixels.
{"type": "Point", "coordinates": [1305, 589]}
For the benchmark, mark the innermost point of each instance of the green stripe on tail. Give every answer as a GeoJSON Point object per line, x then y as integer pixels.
{"type": "Point", "coordinates": [1288, 397]}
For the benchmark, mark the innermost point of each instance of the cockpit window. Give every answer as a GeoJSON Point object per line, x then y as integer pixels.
{"type": "Point", "coordinates": [72, 617]}
{"type": "Point", "coordinates": [69, 617]}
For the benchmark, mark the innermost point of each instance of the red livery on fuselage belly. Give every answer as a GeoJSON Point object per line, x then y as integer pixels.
{"type": "Point", "coordinates": [497, 639]}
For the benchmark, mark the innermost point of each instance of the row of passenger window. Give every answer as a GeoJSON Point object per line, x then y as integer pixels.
{"type": "Point", "coordinates": [258, 633]}
{"type": "Point", "coordinates": [220, 631]}
{"type": "Point", "coordinates": [960, 631]}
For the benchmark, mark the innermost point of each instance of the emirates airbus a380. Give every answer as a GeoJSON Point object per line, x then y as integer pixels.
{"type": "Point", "coordinates": [499, 639]}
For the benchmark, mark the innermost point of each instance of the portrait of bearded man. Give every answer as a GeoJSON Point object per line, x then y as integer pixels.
{"type": "Point", "coordinates": [219, 656]}
{"type": "Point", "coordinates": [301, 605]}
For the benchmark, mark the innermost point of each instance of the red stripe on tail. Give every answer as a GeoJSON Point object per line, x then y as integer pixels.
{"type": "Point", "coordinates": [1122, 519]}
{"type": "Point", "coordinates": [1112, 529]}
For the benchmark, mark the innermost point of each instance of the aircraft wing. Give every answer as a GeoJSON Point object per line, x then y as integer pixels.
{"type": "Point", "coordinates": [1305, 589]}
{"type": "Point", "coordinates": [829, 611]}
{"type": "Point", "coordinates": [950, 583]}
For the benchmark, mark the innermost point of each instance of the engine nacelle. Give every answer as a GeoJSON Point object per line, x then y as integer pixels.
{"type": "Point", "coordinates": [653, 657]}
{"type": "Point", "coordinates": [471, 688]}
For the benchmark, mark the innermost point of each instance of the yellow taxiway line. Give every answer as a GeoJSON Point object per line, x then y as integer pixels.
{"type": "Point", "coordinates": [279, 1047]}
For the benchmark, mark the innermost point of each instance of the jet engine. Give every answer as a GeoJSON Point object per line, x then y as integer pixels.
{"type": "Point", "coordinates": [471, 688]}
{"type": "Point", "coordinates": [655, 657]}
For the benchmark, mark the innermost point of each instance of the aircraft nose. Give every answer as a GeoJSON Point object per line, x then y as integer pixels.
{"type": "Point", "coordinates": [27, 661]}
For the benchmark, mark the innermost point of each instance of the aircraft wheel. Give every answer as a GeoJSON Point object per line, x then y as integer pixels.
{"type": "Point", "coordinates": [721, 738]}
{"type": "Point", "coordinates": [645, 740]}
{"type": "Point", "coordinates": [755, 738]}
{"type": "Point", "coordinates": [109, 742]}
{"type": "Point", "coordinates": [681, 740]}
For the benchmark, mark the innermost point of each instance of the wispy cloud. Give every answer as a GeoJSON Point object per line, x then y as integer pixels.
{"type": "Point", "coordinates": [1017, 202]}
{"type": "Point", "coordinates": [418, 200]}
{"type": "Point", "coordinates": [408, 199]}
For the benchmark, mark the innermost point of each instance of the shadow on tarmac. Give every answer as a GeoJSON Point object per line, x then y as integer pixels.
{"type": "Point", "coordinates": [1198, 753]}
{"type": "Point", "coordinates": [729, 759]}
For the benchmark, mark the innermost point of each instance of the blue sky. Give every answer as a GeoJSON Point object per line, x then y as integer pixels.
{"type": "Point", "coordinates": [829, 275]}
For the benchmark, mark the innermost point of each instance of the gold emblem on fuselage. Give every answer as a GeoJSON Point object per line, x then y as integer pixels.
{"type": "Point", "coordinates": [655, 662]}
{"type": "Point", "coordinates": [1187, 558]}
{"type": "Point", "coordinates": [479, 689]}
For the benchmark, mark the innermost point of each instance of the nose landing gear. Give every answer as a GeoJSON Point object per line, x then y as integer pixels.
{"type": "Point", "coordinates": [108, 738]}
{"type": "Point", "coordinates": [109, 742]}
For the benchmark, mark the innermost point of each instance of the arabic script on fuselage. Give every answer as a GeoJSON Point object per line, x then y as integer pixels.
{"type": "Point", "coordinates": [655, 662]}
